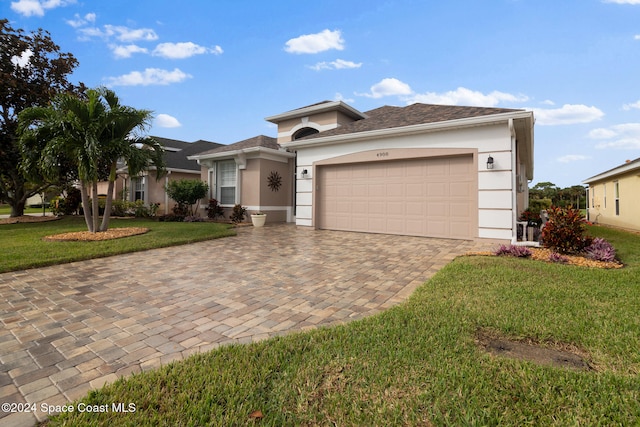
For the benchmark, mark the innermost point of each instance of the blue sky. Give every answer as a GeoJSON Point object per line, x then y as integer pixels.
{"type": "Point", "coordinates": [214, 69]}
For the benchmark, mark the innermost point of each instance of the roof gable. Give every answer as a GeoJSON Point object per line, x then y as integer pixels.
{"type": "Point", "coordinates": [176, 152]}
{"type": "Point", "coordinates": [257, 141]}
{"type": "Point", "coordinates": [388, 117]}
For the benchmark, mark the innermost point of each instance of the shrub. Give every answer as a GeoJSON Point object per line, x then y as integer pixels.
{"type": "Point", "coordinates": [564, 232]}
{"type": "Point", "coordinates": [186, 193]}
{"type": "Point", "coordinates": [238, 214]}
{"type": "Point", "coordinates": [181, 210]}
{"type": "Point", "coordinates": [600, 250]}
{"type": "Point", "coordinates": [513, 250]}
{"type": "Point", "coordinates": [192, 218]}
{"type": "Point", "coordinates": [68, 205]}
{"type": "Point", "coordinates": [214, 209]}
{"type": "Point", "coordinates": [560, 259]}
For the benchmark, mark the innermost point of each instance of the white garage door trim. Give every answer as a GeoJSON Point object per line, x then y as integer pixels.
{"type": "Point", "coordinates": [446, 178]}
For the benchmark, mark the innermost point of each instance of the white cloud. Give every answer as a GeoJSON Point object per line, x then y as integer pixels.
{"type": "Point", "coordinates": [167, 121]}
{"type": "Point", "coordinates": [569, 158]}
{"type": "Point", "coordinates": [602, 133]}
{"type": "Point", "coordinates": [464, 96]}
{"type": "Point", "coordinates": [338, 64]}
{"type": "Point", "coordinates": [23, 60]}
{"type": "Point", "coordinates": [126, 51]}
{"type": "Point", "coordinates": [121, 33]}
{"type": "Point", "coordinates": [150, 76]}
{"type": "Point", "coordinates": [628, 107]}
{"type": "Point", "coordinates": [183, 50]}
{"type": "Point", "coordinates": [314, 43]}
{"type": "Point", "coordinates": [125, 34]}
{"type": "Point", "coordinates": [339, 97]}
{"type": "Point", "coordinates": [548, 102]}
{"type": "Point", "coordinates": [82, 21]}
{"type": "Point", "coordinates": [622, 1]}
{"type": "Point", "coordinates": [623, 136]}
{"type": "Point", "coordinates": [37, 7]}
{"type": "Point", "coordinates": [636, 37]}
{"type": "Point", "coordinates": [388, 87]}
{"type": "Point", "coordinates": [567, 114]}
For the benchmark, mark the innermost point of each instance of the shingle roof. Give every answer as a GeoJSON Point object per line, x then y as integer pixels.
{"type": "Point", "coordinates": [388, 117]}
{"type": "Point", "coordinates": [257, 141]}
{"type": "Point", "coordinates": [178, 159]}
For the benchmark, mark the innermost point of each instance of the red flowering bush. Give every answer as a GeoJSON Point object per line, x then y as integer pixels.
{"type": "Point", "coordinates": [564, 232]}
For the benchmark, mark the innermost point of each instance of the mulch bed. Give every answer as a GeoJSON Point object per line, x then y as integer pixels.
{"type": "Point", "coordinates": [542, 254]}
{"type": "Point", "coordinates": [85, 236]}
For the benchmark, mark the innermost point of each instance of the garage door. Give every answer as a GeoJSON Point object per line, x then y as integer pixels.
{"type": "Point", "coordinates": [432, 197]}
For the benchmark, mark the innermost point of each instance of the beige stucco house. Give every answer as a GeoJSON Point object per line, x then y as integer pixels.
{"type": "Point", "coordinates": [424, 170]}
{"type": "Point", "coordinates": [614, 196]}
{"type": "Point", "coordinates": [256, 173]}
{"type": "Point", "coordinates": [150, 190]}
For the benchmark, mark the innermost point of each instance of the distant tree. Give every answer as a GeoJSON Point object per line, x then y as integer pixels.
{"type": "Point", "coordinates": [576, 195]}
{"type": "Point", "coordinates": [186, 193]}
{"type": "Point", "coordinates": [563, 197]}
{"type": "Point", "coordinates": [544, 190]}
{"type": "Point", "coordinates": [95, 131]}
{"type": "Point", "coordinates": [32, 72]}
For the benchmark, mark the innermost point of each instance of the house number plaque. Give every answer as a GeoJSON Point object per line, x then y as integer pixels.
{"type": "Point", "coordinates": [382, 154]}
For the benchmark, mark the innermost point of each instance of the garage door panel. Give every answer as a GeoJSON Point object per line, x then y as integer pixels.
{"type": "Point", "coordinates": [437, 189]}
{"type": "Point", "coordinates": [460, 189]}
{"type": "Point", "coordinates": [415, 189]}
{"type": "Point", "coordinates": [422, 197]}
{"type": "Point", "coordinates": [344, 173]}
{"type": "Point", "coordinates": [376, 190]}
{"type": "Point", "coordinates": [395, 209]}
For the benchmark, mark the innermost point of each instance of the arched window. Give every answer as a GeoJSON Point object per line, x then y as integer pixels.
{"type": "Point", "coordinates": [301, 133]}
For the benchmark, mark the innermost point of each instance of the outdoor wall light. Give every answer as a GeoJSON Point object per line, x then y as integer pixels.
{"type": "Point", "coordinates": [304, 173]}
{"type": "Point", "coordinates": [490, 163]}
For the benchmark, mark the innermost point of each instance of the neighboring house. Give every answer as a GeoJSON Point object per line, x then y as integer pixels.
{"type": "Point", "coordinates": [145, 187]}
{"type": "Point", "coordinates": [613, 196]}
{"type": "Point", "coordinates": [423, 170]}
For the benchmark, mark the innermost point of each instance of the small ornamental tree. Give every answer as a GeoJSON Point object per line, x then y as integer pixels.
{"type": "Point", "coordinates": [565, 231]}
{"type": "Point", "coordinates": [187, 193]}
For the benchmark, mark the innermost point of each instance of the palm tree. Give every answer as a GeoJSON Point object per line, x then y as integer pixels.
{"type": "Point", "coordinates": [93, 132]}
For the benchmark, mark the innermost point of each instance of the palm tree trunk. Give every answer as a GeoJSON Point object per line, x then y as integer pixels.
{"type": "Point", "coordinates": [84, 193]}
{"type": "Point", "coordinates": [107, 208]}
{"type": "Point", "coordinates": [95, 207]}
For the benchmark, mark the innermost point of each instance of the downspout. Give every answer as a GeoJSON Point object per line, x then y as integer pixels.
{"type": "Point", "coordinates": [514, 183]}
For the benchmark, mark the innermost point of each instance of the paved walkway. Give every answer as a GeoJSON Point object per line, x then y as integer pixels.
{"type": "Point", "coordinates": [70, 328]}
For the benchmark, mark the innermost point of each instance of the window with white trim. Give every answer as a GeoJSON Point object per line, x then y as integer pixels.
{"type": "Point", "coordinates": [138, 188]}
{"type": "Point", "coordinates": [226, 182]}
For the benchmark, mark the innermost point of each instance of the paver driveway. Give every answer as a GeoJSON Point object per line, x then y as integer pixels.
{"type": "Point", "coordinates": [69, 328]}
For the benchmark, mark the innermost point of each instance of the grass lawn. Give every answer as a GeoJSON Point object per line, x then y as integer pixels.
{"type": "Point", "coordinates": [418, 363]}
{"type": "Point", "coordinates": [22, 245]}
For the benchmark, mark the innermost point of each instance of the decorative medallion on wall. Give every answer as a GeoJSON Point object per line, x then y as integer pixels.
{"type": "Point", "coordinates": [274, 181]}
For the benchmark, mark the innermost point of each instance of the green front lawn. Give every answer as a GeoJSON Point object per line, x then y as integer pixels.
{"type": "Point", "coordinates": [418, 363]}
{"type": "Point", "coordinates": [22, 245]}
